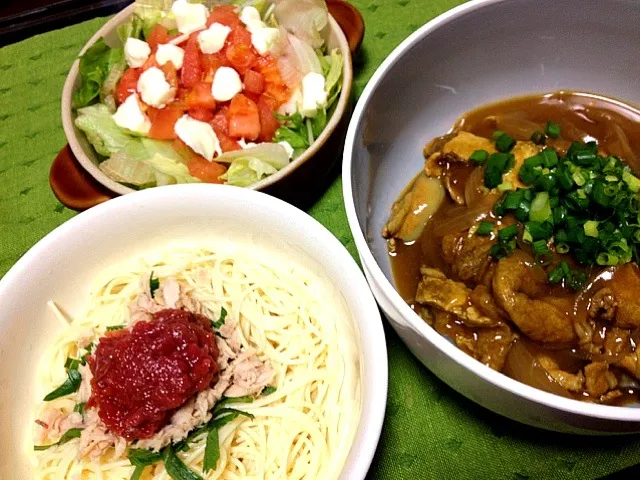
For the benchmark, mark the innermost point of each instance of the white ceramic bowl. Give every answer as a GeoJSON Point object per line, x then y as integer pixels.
{"type": "Point", "coordinates": [482, 51]}
{"type": "Point", "coordinates": [60, 268]}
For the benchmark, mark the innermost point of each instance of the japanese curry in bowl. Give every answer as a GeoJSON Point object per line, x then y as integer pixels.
{"type": "Point", "coordinates": [519, 240]}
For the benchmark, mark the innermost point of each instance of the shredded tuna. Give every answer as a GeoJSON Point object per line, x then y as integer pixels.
{"type": "Point", "coordinates": [84, 392]}
{"type": "Point", "coordinates": [54, 423]}
{"type": "Point", "coordinates": [249, 375]}
{"type": "Point", "coordinates": [96, 439]}
{"type": "Point", "coordinates": [171, 293]}
{"type": "Point", "coordinates": [187, 418]}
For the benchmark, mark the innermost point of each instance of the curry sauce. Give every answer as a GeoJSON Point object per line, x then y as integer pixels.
{"type": "Point", "coordinates": [584, 117]}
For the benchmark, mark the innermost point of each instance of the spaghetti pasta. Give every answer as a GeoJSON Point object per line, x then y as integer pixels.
{"type": "Point", "coordinates": [290, 316]}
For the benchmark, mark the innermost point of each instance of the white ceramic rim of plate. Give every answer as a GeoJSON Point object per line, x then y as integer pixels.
{"type": "Point", "coordinates": [370, 425]}
{"type": "Point", "coordinates": [626, 414]}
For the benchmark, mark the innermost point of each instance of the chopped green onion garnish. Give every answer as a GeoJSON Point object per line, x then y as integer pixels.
{"type": "Point", "coordinates": [632, 181]}
{"type": "Point", "coordinates": [485, 228]}
{"type": "Point", "coordinates": [556, 275]}
{"type": "Point", "coordinates": [479, 157]}
{"type": "Point", "coordinates": [502, 249]}
{"type": "Point", "coordinates": [552, 130]}
{"type": "Point", "coordinates": [495, 135]}
{"type": "Point", "coordinates": [512, 200]}
{"type": "Point", "coordinates": [497, 164]}
{"type": "Point", "coordinates": [591, 228]}
{"type": "Point", "coordinates": [507, 233]}
{"type": "Point", "coordinates": [540, 246]}
{"type": "Point", "coordinates": [539, 230]}
{"type": "Point", "coordinates": [504, 143]}
{"type": "Point", "coordinates": [550, 157]}
{"type": "Point", "coordinates": [605, 258]}
{"type": "Point", "coordinates": [538, 138]}
{"type": "Point", "coordinates": [540, 208]}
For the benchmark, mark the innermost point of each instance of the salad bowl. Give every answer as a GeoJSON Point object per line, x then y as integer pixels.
{"type": "Point", "coordinates": [79, 183]}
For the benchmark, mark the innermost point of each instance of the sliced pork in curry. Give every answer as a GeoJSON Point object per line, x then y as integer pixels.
{"type": "Point", "coordinates": [519, 240]}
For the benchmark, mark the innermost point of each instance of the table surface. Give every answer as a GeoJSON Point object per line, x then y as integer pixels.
{"type": "Point", "coordinates": [430, 430]}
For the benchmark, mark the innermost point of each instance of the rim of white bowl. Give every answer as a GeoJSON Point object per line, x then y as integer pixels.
{"type": "Point", "coordinates": [370, 425]}
{"type": "Point", "coordinates": [626, 414]}
{"type": "Point", "coordinates": [71, 132]}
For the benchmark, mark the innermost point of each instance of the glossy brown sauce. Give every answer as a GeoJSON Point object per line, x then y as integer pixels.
{"type": "Point", "coordinates": [614, 125]}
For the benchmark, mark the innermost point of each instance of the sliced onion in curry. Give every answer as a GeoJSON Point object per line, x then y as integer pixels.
{"type": "Point", "coordinates": [461, 218]}
{"type": "Point", "coordinates": [514, 125]}
{"type": "Point", "coordinates": [474, 188]}
{"type": "Point", "coordinates": [424, 199]}
{"type": "Point", "coordinates": [523, 366]}
{"type": "Point", "coordinates": [617, 143]}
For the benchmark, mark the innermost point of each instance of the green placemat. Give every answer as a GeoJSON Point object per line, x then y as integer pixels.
{"type": "Point", "coordinates": [430, 431]}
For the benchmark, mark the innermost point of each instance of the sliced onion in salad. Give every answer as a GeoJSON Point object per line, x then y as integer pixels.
{"type": "Point", "coordinates": [296, 59]}
{"type": "Point", "coordinates": [306, 19]}
{"type": "Point", "coordinates": [271, 153]}
{"type": "Point", "coordinates": [121, 167]}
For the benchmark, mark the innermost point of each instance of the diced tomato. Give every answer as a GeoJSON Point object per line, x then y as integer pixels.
{"type": "Point", "coordinates": [205, 170]}
{"type": "Point", "coordinates": [127, 84]}
{"type": "Point", "coordinates": [200, 97]}
{"type": "Point", "coordinates": [163, 121]}
{"type": "Point", "coordinates": [170, 74]}
{"type": "Point", "coordinates": [239, 35]}
{"type": "Point", "coordinates": [253, 82]}
{"type": "Point", "coordinates": [191, 67]}
{"type": "Point", "coordinates": [211, 63]}
{"type": "Point", "coordinates": [225, 15]}
{"type": "Point", "coordinates": [268, 123]}
{"type": "Point", "coordinates": [275, 87]}
{"type": "Point", "coordinates": [183, 149]}
{"type": "Point", "coordinates": [220, 125]}
{"type": "Point", "coordinates": [220, 122]}
{"type": "Point", "coordinates": [202, 114]}
{"type": "Point", "coordinates": [241, 57]}
{"type": "Point", "coordinates": [151, 62]}
{"type": "Point", "coordinates": [269, 101]}
{"type": "Point", "coordinates": [227, 144]}
{"type": "Point", "coordinates": [159, 34]}
{"type": "Point", "coordinates": [244, 118]}
{"type": "Point", "coordinates": [254, 97]}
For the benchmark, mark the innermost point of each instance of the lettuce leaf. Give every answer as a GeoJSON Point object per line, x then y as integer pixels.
{"type": "Point", "coordinates": [333, 76]}
{"type": "Point", "coordinates": [247, 171]}
{"type": "Point", "coordinates": [108, 89]}
{"type": "Point", "coordinates": [145, 162]}
{"type": "Point", "coordinates": [270, 153]}
{"type": "Point", "coordinates": [251, 165]}
{"type": "Point", "coordinates": [123, 168]}
{"type": "Point", "coordinates": [101, 130]}
{"type": "Point", "coordinates": [133, 28]}
{"type": "Point", "coordinates": [168, 170]}
{"type": "Point", "coordinates": [151, 12]}
{"type": "Point", "coordinates": [95, 65]}
{"type": "Point", "coordinates": [293, 131]}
